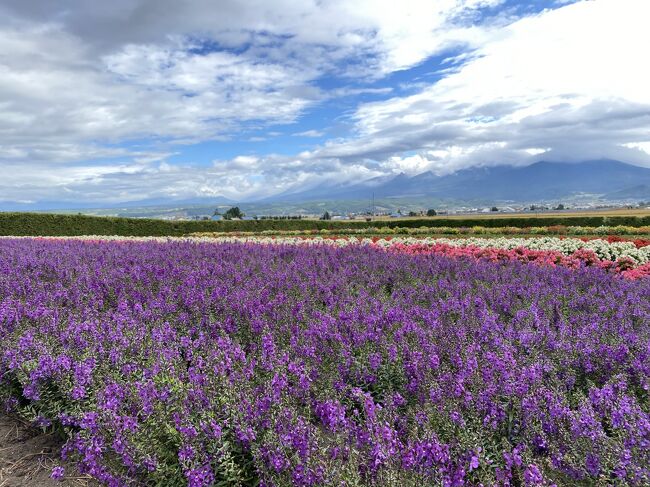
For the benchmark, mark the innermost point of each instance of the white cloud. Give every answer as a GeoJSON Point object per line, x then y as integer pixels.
{"type": "Point", "coordinates": [79, 72]}
{"type": "Point", "coordinates": [642, 146]}
{"type": "Point", "coordinates": [310, 133]}
{"type": "Point", "coordinates": [80, 79]}
{"type": "Point", "coordinates": [551, 81]}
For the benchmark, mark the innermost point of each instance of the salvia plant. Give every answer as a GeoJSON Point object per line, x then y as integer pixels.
{"type": "Point", "coordinates": [191, 363]}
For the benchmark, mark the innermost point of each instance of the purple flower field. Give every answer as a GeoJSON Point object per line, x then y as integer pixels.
{"type": "Point", "coordinates": [240, 364]}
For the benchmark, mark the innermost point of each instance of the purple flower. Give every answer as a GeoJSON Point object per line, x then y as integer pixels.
{"type": "Point", "coordinates": [473, 463]}
{"type": "Point", "coordinates": [200, 477]}
{"type": "Point", "coordinates": [592, 464]}
{"type": "Point", "coordinates": [58, 473]}
{"type": "Point", "coordinates": [311, 362]}
{"type": "Point", "coordinates": [532, 475]}
{"type": "Point", "coordinates": [186, 452]}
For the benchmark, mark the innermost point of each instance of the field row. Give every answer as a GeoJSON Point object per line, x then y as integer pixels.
{"type": "Point", "coordinates": [631, 259]}
{"type": "Point", "coordinates": [442, 230]}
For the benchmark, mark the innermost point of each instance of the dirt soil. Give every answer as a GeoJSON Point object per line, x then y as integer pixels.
{"type": "Point", "coordinates": [27, 456]}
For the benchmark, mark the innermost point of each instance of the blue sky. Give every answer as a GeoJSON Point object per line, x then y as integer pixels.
{"type": "Point", "coordinates": [157, 99]}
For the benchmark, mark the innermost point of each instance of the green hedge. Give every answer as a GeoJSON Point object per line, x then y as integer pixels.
{"type": "Point", "coordinates": [64, 225]}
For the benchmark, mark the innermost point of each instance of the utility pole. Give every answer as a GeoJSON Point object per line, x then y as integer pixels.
{"type": "Point", "coordinates": [373, 203]}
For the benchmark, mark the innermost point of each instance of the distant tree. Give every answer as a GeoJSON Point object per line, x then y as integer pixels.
{"type": "Point", "coordinates": [216, 212]}
{"type": "Point", "coordinates": [431, 212]}
{"type": "Point", "coordinates": [412, 213]}
{"type": "Point", "coordinates": [233, 212]}
{"type": "Point", "coordinates": [560, 207]}
{"type": "Point", "coordinates": [533, 207]}
{"type": "Point", "coordinates": [326, 216]}
{"type": "Point", "coordinates": [494, 208]}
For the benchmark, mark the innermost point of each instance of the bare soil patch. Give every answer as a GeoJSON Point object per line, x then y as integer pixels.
{"type": "Point", "coordinates": [27, 456]}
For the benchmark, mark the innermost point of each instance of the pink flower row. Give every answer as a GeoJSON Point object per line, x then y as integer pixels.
{"type": "Point", "coordinates": [580, 258]}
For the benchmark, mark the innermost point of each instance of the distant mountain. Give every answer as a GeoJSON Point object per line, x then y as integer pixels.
{"type": "Point", "coordinates": [640, 191]}
{"type": "Point", "coordinates": [604, 180]}
{"type": "Point", "coordinates": [540, 181]}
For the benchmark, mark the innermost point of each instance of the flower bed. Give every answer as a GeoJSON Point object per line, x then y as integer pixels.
{"type": "Point", "coordinates": [185, 362]}
{"type": "Point", "coordinates": [617, 256]}
{"type": "Point", "coordinates": [627, 267]}
{"type": "Point", "coordinates": [631, 259]}
{"type": "Point", "coordinates": [617, 230]}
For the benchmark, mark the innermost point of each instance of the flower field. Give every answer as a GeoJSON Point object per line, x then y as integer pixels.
{"type": "Point", "coordinates": [629, 258]}
{"type": "Point", "coordinates": [603, 230]}
{"type": "Point", "coordinates": [333, 362]}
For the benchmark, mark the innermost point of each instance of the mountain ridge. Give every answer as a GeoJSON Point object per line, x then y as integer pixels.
{"type": "Point", "coordinates": [539, 181]}
{"type": "Point", "coordinates": [543, 181]}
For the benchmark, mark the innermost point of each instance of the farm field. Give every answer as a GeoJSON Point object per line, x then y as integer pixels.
{"type": "Point", "coordinates": [344, 361]}
{"type": "Point", "coordinates": [604, 231]}
{"type": "Point", "coordinates": [630, 258]}
{"type": "Point", "coordinates": [324, 243]}
{"type": "Point", "coordinates": [626, 212]}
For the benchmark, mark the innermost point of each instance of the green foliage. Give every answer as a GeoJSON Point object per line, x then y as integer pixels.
{"type": "Point", "coordinates": [42, 224]}
{"type": "Point", "coordinates": [233, 212]}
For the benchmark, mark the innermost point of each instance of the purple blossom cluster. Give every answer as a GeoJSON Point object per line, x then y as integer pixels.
{"type": "Point", "coordinates": [200, 364]}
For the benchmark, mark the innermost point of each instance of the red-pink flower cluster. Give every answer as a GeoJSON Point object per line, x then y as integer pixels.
{"type": "Point", "coordinates": [638, 242]}
{"type": "Point", "coordinates": [580, 258]}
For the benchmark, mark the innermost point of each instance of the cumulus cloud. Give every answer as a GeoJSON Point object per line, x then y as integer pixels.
{"type": "Point", "coordinates": [95, 98]}
{"type": "Point", "coordinates": [79, 78]}
{"type": "Point", "coordinates": [310, 133]}
{"type": "Point", "coordinates": [549, 85]}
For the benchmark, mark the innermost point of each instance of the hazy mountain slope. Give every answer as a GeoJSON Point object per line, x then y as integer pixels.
{"type": "Point", "coordinates": [542, 180]}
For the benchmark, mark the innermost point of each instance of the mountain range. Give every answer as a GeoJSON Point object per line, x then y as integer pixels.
{"type": "Point", "coordinates": [605, 179]}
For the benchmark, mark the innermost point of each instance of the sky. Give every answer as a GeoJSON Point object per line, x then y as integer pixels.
{"type": "Point", "coordinates": [105, 103]}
